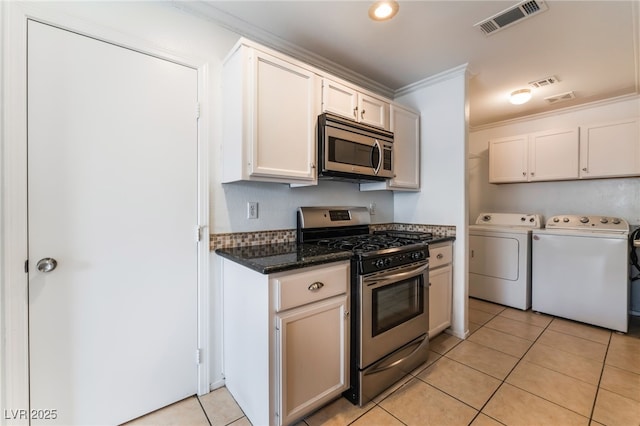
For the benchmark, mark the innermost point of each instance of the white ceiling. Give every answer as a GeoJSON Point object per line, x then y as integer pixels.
{"type": "Point", "coordinates": [592, 47]}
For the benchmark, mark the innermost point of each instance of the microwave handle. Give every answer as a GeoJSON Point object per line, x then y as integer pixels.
{"type": "Point", "coordinates": [376, 169]}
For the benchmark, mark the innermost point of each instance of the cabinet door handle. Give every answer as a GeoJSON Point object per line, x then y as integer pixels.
{"type": "Point", "coordinates": [316, 286]}
{"type": "Point", "coordinates": [355, 112]}
{"type": "Point", "coordinates": [439, 256]}
{"type": "Point", "coordinates": [584, 169]}
{"type": "Point", "coordinates": [524, 173]}
{"type": "Point", "coordinates": [533, 173]}
{"type": "Point", "coordinates": [362, 114]}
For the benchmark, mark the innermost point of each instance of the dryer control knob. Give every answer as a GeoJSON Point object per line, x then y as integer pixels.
{"type": "Point", "coordinates": [584, 219]}
{"type": "Point", "coordinates": [556, 219]}
{"type": "Point", "coordinates": [604, 220]}
{"type": "Point", "coordinates": [616, 221]}
{"type": "Point", "coordinates": [565, 220]}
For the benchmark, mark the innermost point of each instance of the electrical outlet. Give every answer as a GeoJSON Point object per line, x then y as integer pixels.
{"type": "Point", "coordinates": [252, 210]}
{"type": "Point", "coordinates": [372, 209]}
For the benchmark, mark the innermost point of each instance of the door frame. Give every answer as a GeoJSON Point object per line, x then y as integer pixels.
{"type": "Point", "coordinates": [14, 303]}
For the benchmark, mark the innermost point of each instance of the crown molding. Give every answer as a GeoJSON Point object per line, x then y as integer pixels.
{"type": "Point", "coordinates": [460, 70]}
{"type": "Point", "coordinates": [208, 11]}
{"type": "Point", "coordinates": [555, 112]}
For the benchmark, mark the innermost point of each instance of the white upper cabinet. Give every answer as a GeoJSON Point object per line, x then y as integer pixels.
{"type": "Point", "coordinates": [508, 159]}
{"type": "Point", "coordinates": [270, 112]}
{"type": "Point", "coordinates": [356, 105]}
{"type": "Point", "coordinates": [339, 99]}
{"type": "Point", "coordinates": [541, 156]}
{"type": "Point", "coordinates": [610, 149]}
{"type": "Point", "coordinates": [373, 111]}
{"type": "Point", "coordinates": [405, 125]}
{"type": "Point", "coordinates": [553, 155]}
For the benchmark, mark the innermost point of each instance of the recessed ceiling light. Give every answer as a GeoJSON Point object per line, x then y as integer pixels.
{"type": "Point", "coordinates": [520, 96]}
{"type": "Point", "coordinates": [383, 10]}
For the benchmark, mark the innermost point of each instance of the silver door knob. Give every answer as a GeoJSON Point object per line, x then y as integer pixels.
{"type": "Point", "coordinates": [47, 264]}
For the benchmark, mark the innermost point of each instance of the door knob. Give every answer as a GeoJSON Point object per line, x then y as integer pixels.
{"type": "Point", "coordinates": [46, 264]}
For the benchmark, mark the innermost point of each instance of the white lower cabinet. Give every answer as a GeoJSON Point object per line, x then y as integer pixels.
{"type": "Point", "coordinates": [440, 287]}
{"type": "Point", "coordinates": [286, 339]}
{"type": "Point", "coordinates": [312, 342]}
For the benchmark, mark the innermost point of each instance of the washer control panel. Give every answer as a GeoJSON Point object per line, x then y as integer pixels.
{"type": "Point", "coordinates": [588, 223]}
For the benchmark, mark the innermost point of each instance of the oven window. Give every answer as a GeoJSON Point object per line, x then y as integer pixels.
{"type": "Point", "coordinates": [396, 303]}
{"type": "Point", "coordinates": [346, 152]}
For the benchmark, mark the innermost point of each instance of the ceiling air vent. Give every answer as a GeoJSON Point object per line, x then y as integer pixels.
{"type": "Point", "coordinates": [510, 16]}
{"type": "Point", "coordinates": [561, 97]}
{"type": "Point", "coordinates": [543, 82]}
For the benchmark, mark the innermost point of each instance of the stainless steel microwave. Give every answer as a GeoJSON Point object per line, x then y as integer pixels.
{"type": "Point", "coordinates": [352, 151]}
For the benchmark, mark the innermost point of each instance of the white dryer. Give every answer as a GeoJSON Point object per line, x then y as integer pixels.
{"type": "Point", "coordinates": [500, 258]}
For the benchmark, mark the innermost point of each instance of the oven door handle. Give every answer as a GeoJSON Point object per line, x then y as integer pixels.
{"type": "Point", "coordinates": [377, 279]}
{"type": "Point", "coordinates": [385, 364]}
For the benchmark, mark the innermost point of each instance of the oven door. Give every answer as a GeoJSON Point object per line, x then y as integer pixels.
{"type": "Point", "coordinates": [394, 310]}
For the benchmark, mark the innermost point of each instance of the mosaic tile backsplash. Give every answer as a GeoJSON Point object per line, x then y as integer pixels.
{"type": "Point", "coordinates": [243, 239]}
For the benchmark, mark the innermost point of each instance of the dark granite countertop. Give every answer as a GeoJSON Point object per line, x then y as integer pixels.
{"type": "Point", "coordinates": [279, 257]}
{"type": "Point", "coordinates": [440, 239]}
{"type": "Point", "coordinates": [271, 258]}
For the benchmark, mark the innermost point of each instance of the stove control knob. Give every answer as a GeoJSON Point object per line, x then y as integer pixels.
{"type": "Point", "coordinates": [417, 255]}
{"type": "Point", "coordinates": [565, 220]}
{"type": "Point", "coordinates": [556, 219]}
{"type": "Point", "coordinates": [387, 262]}
{"type": "Point", "coordinates": [379, 263]}
{"type": "Point", "coordinates": [522, 219]}
{"type": "Point", "coordinates": [584, 219]}
{"type": "Point", "coordinates": [604, 220]}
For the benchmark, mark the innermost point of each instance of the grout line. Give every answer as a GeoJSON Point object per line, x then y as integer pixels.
{"type": "Point", "coordinates": [538, 396]}
{"type": "Point", "coordinates": [204, 411]}
{"type": "Point", "coordinates": [604, 361]}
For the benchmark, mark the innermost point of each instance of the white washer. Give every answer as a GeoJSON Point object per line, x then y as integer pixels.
{"type": "Point", "coordinates": [580, 267]}
{"type": "Point", "coordinates": [500, 258]}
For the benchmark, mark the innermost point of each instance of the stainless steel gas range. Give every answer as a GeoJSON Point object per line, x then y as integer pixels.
{"type": "Point", "coordinates": [389, 295]}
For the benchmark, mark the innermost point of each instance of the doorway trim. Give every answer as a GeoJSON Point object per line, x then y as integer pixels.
{"type": "Point", "coordinates": [14, 303]}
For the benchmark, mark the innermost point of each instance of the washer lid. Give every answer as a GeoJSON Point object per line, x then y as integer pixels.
{"type": "Point", "coordinates": [527, 220]}
{"type": "Point", "coordinates": [588, 223]}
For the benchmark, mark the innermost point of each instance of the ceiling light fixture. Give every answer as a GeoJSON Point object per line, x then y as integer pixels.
{"type": "Point", "coordinates": [383, 10]}
{"type": "Point", "coordinates": [520, 96]}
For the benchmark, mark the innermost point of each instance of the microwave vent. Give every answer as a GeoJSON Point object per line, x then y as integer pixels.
{"type": "Point", "coordinates": [512, 15]}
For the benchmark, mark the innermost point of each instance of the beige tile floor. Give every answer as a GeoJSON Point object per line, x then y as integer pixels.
{"type": "Point", "coordinates": [516, 368]}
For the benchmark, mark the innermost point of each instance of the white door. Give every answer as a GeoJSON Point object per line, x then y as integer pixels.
{"type": "Point", "coordinates": [112, 184]}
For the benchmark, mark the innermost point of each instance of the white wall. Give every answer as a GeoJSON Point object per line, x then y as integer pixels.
{"type": "Point", "coordinates": [607, 197]}
{"type": "Point", "coordinates": [443, 197]}
{"type": "Point", "coordinates": [277, 203]}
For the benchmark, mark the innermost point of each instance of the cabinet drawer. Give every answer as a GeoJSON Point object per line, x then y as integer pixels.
{"type": "Point", "coordinates": [310, 285]}
{"type": "Point", "coordinates": [440, 254]}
